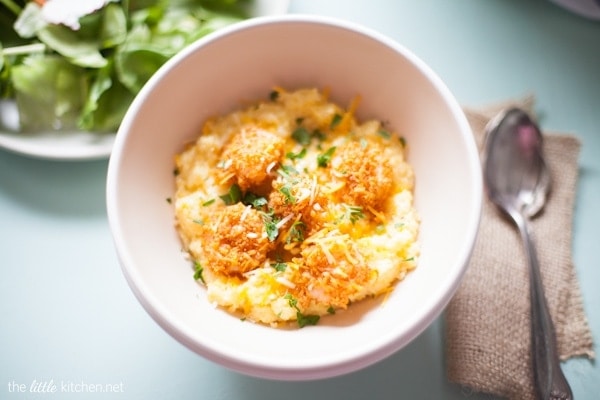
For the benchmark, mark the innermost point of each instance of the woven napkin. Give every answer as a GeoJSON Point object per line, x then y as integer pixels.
{"type": "Point", "coordinates": [487, 322]}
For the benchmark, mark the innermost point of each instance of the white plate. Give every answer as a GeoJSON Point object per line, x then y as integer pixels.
{"type": "Point", "coordinates": [79, 145]}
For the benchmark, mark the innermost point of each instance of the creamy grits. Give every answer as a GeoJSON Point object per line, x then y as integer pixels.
{"type": "Point", "coordinates": [292, 209]}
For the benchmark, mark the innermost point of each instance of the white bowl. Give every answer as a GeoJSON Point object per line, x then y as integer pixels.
{"type": "Point", "coordinates": [246, 61]}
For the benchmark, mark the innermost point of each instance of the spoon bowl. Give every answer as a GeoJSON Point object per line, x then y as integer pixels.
{"type": "Point", "coordinates": [515, 172]}
{"type": "Point", "coordinates": [518, 182]}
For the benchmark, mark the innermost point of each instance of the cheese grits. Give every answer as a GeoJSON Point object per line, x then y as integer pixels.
{"type": "Point", "coordinates": [292, 209]}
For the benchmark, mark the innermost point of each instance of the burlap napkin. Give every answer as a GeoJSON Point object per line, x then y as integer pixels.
{"type": "Point", "coordinates": [487, 322]}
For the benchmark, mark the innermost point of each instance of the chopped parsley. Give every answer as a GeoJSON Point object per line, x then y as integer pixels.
{"type": "Point", "coordinates": [292, 301]}
{"type": "Point", "coordinates": [384, 134]}
{"type": "Point", "coordinates": [335, 121]}
{"type": "Point", "coordinates": [296, 232]}
{"type": "Point", "coordinates": [353, 213]}
{"type": "Point", "coordinates": [198, 221]}
{"type": "Point", "coordinates": [254, 200]}
{"type": "Point", "coordinates": [169, 200]}
{"type": "Point", "coordinates": [317, 134]}
{"type": "Point", "coordinates": [287, 170]}
{"type": "Point", "coordinates": [175, 171]}
{"type": "Point", "coordinates": [331, 310]}
{"type": "Point", "coordinates": [286, 191]}
{"type": "Point", "coordinates": [323, 159]}
{"type": "Point", "coordinates": [302, 136]}
{"type": "Point", "coordinates": [208, 202]}
{"type": "Point", "coordinates": [198, 270]}
{"type": "Point", "coordinates": [303, 320]}
{"type": "Point", "coordinates": [294, 156]}
{"type": "Point", "coordinates": [279, 266]}
{"type": "Point", "coordinates": [233, 195]}
{"type": "Point", "coordinates": [274, 95]}
{"type": "Point", "coordinates": [270, 221]}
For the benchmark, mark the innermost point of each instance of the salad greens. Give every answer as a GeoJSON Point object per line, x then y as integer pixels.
{"type": "Point", "coordinates": [83, 71]}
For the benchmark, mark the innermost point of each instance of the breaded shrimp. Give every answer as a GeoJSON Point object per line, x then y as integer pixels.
{"type": "Point", "coordinates": [366, 171]}
{"type": "Point", "coordinates": [249, 154]}
{"type": "Point", "coordinates": [330, 283]}
{"type": "Point", "coordinates": [299, 196]}
{"type": "Point", "coordinates": [234, 240]}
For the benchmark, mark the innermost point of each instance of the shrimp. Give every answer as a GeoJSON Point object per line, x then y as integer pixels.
{"type": "Point", "coordinates": [367, 172]}
{"type": "Point", "coordinates": [249, 154]}
{"type": "Point", "coordinates": [234, 240]}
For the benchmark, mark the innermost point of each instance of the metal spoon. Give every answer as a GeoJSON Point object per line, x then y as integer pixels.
{"type": "Point", "coordinates": [517, 180]}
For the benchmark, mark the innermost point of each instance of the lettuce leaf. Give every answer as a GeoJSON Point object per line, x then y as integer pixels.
{"type": "Point", "coordinates": [106, 103]}
{"type": "Point", "coordinates": [86, 78]}
{"type": "Point", "coordinates": [50, 92]}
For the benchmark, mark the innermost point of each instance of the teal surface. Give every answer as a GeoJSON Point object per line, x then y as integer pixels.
{"type": "Point", "coordinates": [69, 317]}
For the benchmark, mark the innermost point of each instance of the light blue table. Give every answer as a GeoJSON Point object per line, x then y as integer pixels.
{"type": "Point", "coordinates": [68, 315]}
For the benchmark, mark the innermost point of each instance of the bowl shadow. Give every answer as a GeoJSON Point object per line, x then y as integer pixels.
{"type": "Point", "coordinates": [65, 189]}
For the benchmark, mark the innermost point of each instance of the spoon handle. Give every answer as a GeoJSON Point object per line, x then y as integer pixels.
{"type": "Point", "coordinates": [549, 379]}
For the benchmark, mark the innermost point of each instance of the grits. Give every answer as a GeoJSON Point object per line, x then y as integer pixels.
{"type": "Point", "coordinates": [291, 209]}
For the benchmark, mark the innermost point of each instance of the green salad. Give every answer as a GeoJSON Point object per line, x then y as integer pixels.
{"type": "Point", "coordinates": [77, 64]}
